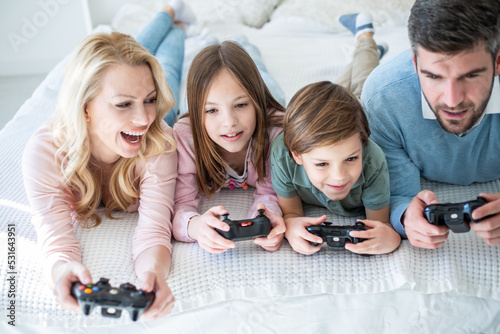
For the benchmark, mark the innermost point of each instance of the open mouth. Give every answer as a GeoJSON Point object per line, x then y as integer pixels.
{"type": "Point", "coordinates": [454, 114]}
{"type": "Point", "coordinates": [232, 136]}
{"type": "Point", "coordinates": [132, 137]}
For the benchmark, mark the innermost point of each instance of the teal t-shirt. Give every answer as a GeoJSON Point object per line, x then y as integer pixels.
{"type": "Point", "coordinates": [371, 190]}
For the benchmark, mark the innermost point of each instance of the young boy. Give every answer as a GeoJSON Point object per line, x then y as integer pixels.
{"type": "Point", "coordinates": [324, 157]}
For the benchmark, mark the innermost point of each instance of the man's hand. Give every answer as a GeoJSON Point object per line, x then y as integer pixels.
{"type": "Point", "coordinates": [419, 231]}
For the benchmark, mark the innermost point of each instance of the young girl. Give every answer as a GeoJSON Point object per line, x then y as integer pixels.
{"type": "Point", "coordinates": [225, 143]}
{"type": "Point", "coordinates": [108, 144]}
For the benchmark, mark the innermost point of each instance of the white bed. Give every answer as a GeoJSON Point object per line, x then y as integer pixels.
{"type": "Point", "coordinates": [455, 289]}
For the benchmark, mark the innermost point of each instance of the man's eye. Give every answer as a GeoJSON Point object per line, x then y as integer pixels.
{"type": "Point", "coordinates": [321, 164]}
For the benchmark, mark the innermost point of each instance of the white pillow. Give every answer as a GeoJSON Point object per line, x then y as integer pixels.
{"type": "Point", "coordinates": [326, 12]}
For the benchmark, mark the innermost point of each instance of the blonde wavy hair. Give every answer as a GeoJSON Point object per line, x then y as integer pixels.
{"type": "Point", "coordinates": [82, 82]}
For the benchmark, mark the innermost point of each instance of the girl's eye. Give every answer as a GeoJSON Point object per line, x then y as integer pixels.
{"type": "Point", "coordinates": [210, 111]}
{"type": "Point", "coordinates": [351, 159]}
{"type": "Point", "coordinates": [123, 105]}
{"type": "Point", "coordinates": [151, 100]}
{"type": "Point", "coordinates": [321, 164]}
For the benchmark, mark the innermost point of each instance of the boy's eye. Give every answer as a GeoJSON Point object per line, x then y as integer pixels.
{"type": "Point", "coordinates": [241, 105]}
{"type": "Point", "coordinates": [351, 159]}
{"type": "Point", "coordinates": [321, 164]}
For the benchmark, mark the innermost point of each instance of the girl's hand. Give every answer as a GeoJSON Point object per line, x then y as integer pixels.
{"type": "Point", "coordinates": [164, 299]}
{"type": "Point", "coordinates": [64, 274]}
{"type": "Point", "coordinates": [202, 228]}
{"type": "Point", "coordinates": [299, 238]}
{"type": "Point", "coordinates": [275, 237]}
{"type": "Point", "coordinates": [381, 239]}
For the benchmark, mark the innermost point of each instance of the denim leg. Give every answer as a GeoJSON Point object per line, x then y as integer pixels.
{"type": "Point", "coordinates": [154, 32]}
{"type": "Point", "coordinates": [170, 54]}
{"type": "Point", "coordinates": [271, 84]}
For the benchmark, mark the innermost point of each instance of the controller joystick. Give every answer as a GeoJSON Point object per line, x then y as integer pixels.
{"type": "Point", "coordinates": [112, 300]}
{"type": "Point", "coordinates": [457, 216]}
{"type": "Point", "coordinates": [246, 229]}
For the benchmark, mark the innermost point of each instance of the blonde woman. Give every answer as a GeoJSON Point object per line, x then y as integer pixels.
{"type": "Point", "coordinates": [107, 145]}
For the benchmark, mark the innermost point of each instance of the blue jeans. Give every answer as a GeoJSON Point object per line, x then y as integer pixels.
{"type": "Point", "coordinates": [271, 84]}
{"type": "Point", "coordinates": [166, 43]}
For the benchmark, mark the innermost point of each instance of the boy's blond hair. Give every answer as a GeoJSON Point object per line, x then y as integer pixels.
{"type": "Point", "coordinates": [323, 114]}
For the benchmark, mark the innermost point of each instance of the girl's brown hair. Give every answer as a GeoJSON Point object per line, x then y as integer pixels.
{"type": "Point", "coordinates": [210, 166]}
{"type": "Point", "coordinates": [323, 114]}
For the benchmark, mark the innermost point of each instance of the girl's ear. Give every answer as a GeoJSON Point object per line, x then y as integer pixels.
{"type": "Point", "coordinates": [297, 158]}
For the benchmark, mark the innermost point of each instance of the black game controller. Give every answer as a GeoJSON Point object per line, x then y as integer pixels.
{"type": "Point", "coordinates": [336, 236]}
{"type": "Point", "coordinates": [112, 300]}
{"type": "Point", "coordinates": [457, 216]}
{"type": "Point", "coordinates": [246, 229]}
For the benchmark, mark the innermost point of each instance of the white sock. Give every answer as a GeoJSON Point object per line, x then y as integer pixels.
{"type": "Point", "coordinates": [364, 24]}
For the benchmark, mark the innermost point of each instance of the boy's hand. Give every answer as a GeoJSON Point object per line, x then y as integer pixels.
{"type": "Point", "coordinates": [274, 239]}
{"type": "Point", "coordinates": [299, 238]}
{"type": "Point", "coordinates": [380, 239]}
{"type": "Point", "coordinates": [202, 228]}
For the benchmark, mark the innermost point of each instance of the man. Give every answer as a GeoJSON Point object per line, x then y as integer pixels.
{"type": "Point", "coordinates": [435, 112]}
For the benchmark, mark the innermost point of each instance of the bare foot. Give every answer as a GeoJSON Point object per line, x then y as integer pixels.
{"type": "Point", "coordinates": [169, 10]}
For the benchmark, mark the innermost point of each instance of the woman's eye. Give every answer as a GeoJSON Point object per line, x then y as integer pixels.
{"type": "Point", "coordinates": [151, 100]}
{"type": "Point", "coordinates": [123, 105]}
{"type": "Point", "coordinates": [210, 111]}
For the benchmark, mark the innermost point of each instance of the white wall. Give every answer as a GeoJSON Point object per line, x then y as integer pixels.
{"type": "Point", "coordinates": [103, 11]}
{"type": "Point", "coordinates": [36, 34]}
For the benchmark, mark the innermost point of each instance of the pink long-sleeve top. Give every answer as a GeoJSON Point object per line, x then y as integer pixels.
{"type": "Point", "coordinates": [53, 216]}
{"type": "Point", "coordinates": [187, 193]}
